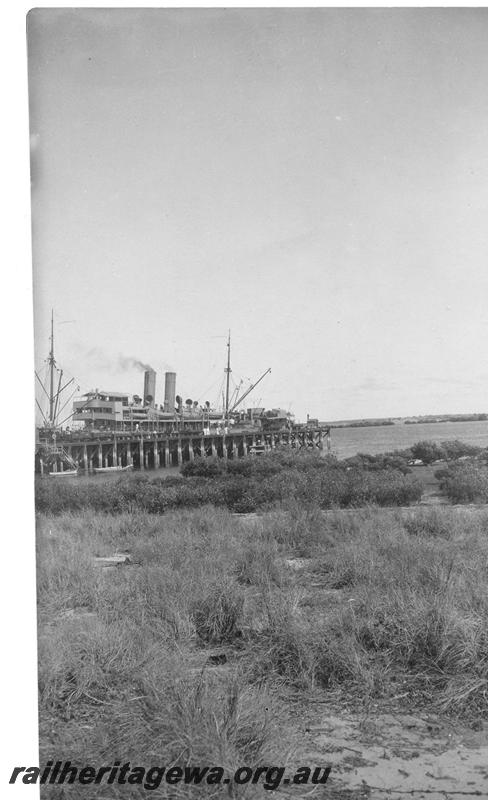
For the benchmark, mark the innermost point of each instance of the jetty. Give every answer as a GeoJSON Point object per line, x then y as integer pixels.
{"type": "Point", "coordinates": [116, 432]}
{"type": "Point", "coordinates": [112, 452]}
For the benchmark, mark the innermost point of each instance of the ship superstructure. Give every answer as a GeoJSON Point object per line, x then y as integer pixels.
{"type": "Point", "coordinates": [110, 430]}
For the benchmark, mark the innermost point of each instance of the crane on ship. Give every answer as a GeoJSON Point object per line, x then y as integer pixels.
{"type": "Point", "coordinates": [230, 405]}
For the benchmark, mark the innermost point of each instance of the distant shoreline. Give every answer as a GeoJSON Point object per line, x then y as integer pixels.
{"type": "Point", "coordinates": [428, 419]}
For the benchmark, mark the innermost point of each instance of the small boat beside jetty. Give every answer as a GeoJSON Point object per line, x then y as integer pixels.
{"type": "Point", "coordinates": [113, 469]}
{"type": "Point", "coordinates": [67, 473]}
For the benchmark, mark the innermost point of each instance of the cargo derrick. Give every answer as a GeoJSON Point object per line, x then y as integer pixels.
{"type": "Point", "coordinates": [114, 431]}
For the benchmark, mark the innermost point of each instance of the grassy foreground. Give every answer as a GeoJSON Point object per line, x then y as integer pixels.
{"type": "Point", "coordinates": [197, 650]}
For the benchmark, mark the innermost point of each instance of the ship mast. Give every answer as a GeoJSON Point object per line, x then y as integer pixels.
{"type": "Point", "coordinates": [227, 381]}
{"type": "Point", "coordinates": [50, 417]}
{"type": "Point", "coordinates": [52, 364]}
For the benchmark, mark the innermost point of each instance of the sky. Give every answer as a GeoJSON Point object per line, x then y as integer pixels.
{"type": "Point", "coordinates": [314, 180]}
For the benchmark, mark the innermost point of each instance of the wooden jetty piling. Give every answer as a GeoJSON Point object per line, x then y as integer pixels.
{"type": "Point", "coordinates": [154, 450]}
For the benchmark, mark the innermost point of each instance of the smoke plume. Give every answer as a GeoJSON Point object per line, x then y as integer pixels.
{"type": "Point", "coordinates": [119, 363]}
{"type": "Point", "coordinates": [101, 360]}
{"type": "Point", "coordinates": [126, 363]}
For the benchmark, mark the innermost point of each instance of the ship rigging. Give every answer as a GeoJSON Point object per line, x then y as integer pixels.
{"type": "Point", "coordinates": [231, 403]}
{"type": "Point", "coordinates": [113, 431]}
{"type": "Point", "coordinates": [55, 402]}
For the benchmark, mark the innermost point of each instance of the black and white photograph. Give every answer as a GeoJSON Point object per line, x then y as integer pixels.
{"type": "Point", "coordinates": [260, 315]}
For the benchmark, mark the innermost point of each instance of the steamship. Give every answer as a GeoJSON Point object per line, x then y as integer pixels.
{"type": "Point", "coordinates": [111, 431]}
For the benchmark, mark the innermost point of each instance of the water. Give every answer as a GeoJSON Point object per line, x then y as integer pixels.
{"type": "Point", "coordinates": [347, 442]}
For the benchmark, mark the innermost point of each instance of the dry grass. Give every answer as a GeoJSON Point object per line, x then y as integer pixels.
{"type": "Point", "coordinates": [124, 654]}
{"type": "Point", "coordinates": [175, 657]}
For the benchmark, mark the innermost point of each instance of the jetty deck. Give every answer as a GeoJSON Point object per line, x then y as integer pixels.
{"type": "Point", "coordinates": [155, 450]}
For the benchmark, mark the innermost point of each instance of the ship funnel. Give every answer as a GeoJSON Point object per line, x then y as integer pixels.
{"type": "Point", "coordinates": [149, 387]}
{"type": "Point", "coordinates": [169, 391]}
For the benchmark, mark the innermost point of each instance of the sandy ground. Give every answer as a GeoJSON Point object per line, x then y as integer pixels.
{"type": "Point", "coordinates": [395, 753]}
{"type": "Point", "coordinates": [387, 751]}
